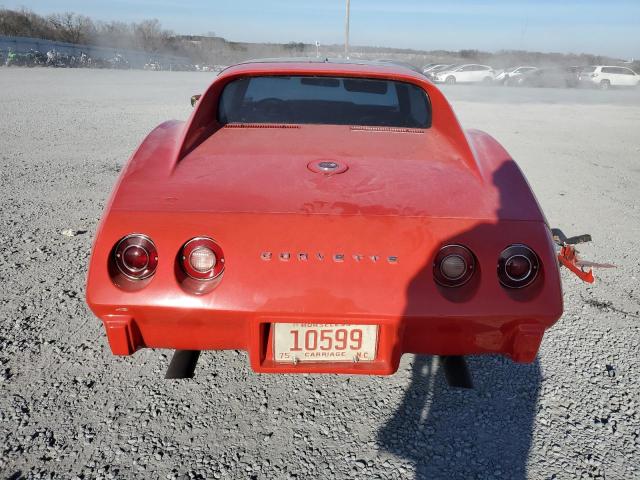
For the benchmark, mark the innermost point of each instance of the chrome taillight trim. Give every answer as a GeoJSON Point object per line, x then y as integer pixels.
{"type": "Point", "coordinates": [506, 255]}
{"type": "Point", "coordinates": [185, 254]}
{"type": "Point", "coordinates": [151, 252]}
{"type": "Point", "coordinates": [462, 251]}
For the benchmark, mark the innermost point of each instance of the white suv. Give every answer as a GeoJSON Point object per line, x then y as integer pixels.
{"type": "Point", "coordinates": [470, 73]}
{"type": "Point", "coordinates": [608, 76]}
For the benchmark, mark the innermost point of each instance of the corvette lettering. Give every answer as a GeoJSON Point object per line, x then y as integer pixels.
{"type": "Point", "coordinates": [321, 257]}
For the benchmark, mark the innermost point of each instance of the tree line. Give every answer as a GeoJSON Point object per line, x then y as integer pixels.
{"type": "Point", "coordinates": [147, 35]}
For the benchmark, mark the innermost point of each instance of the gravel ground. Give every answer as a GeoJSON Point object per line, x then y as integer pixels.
{"type": "Point", "coordinates": [68, 408]}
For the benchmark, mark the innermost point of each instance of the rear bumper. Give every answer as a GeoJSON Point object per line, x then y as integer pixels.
{"type": "Point", "coordinates": [414, 313]}
{"type": "Point", "coordinates": [517, 338]}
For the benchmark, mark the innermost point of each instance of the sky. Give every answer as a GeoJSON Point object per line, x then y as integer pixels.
{"type": "Point", "coordinates": [605, 27]}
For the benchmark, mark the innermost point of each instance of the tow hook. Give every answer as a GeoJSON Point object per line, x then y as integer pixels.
{"type": "Point", "coordinates": [568, 255]}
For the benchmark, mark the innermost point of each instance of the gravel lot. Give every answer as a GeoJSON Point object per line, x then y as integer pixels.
{"type": "Point", "coordinates": [68, 408]}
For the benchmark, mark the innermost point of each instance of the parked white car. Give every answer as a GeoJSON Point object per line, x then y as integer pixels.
{"type": "Point", "coordinates": [427, 67]}
{"type": "Point", "coordinates": [604, 76]}
{"type": "Point", "coordinates": [510, 75]}
{"type": "Point", "coordinates": [432, 68]}
{"type": "Point", "coordinates": [469, 73]}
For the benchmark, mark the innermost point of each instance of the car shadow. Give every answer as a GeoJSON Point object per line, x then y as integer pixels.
{"type": "Point", "coordinates": [460, 434]}
{"type": "Point", "coordinates": [451, 433]}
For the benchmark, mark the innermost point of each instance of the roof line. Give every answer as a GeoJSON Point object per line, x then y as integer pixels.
{"type": "Point", "coordinates": [338, 61]}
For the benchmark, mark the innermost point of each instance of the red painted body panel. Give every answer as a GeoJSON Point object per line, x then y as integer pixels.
{"type": "Point", "coordinates": [404, 195]}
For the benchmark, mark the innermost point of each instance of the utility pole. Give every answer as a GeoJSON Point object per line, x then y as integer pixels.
{"type": "Point", "coordinates": [346, 31]}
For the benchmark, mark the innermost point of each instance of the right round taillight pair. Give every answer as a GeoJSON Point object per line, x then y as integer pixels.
{"type": "Point", "coordinates": [454, 266]}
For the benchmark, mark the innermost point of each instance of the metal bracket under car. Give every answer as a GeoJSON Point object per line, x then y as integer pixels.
{"type": "Point", "coordinates": [568, 255]}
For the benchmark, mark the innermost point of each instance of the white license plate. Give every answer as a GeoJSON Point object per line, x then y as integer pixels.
{"type": "Point", "coordinates": [301, 342]}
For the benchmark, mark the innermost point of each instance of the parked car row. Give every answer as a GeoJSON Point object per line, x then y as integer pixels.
{"type": "Point", "coordinates": [601, 76]}
{"type": "Point", "coordinates": [54, 58]}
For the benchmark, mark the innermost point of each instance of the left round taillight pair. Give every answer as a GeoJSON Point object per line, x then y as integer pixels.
{"type": "Point", "coordinates": [136, 256]}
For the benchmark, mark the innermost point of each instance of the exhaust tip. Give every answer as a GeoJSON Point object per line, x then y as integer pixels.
{"type": "Point", "coordinates": [183, 364]}
{"type": "Point", "coordinates": [456, 371]}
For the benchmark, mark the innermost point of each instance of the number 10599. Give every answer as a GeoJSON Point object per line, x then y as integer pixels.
{"type": "Point", "coordinates": [294, 342]}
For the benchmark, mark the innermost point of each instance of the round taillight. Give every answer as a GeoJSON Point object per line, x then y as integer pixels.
{"type": "Point", "coordinates": [136, 256]}
{"type": "Point", "coordinates": [202, 258]}
{"type": "Point", "coordinates": [518, 266]}
{"type": "Point", "coordinates": [454, 266]}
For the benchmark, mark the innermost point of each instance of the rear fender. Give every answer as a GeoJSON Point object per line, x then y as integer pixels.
{"type": "Point", "coordinates": [497, 167]}
{"type": "Point", "coordinates": [154, 156]}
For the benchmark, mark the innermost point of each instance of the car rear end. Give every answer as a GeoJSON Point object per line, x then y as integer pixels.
{"type": "Point", "coordinates": [324, 247]}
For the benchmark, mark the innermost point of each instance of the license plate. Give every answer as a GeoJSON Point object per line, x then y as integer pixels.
{"type": "Point", "coordinates": [302, 342]}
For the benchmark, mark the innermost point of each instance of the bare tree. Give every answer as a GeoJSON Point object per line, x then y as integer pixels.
{"type": "Point", "coordinates": [24, 23]}
{"type": "Point", "coordinates": [71, 27]}
{"type": "Point", "coordinates": [149, 35]}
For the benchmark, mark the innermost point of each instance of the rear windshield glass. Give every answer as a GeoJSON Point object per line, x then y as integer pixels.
{"type": "Point", "coordinates": [324, 100]}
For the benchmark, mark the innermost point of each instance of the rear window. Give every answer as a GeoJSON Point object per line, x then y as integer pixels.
{"type": "Point", "coordinates": [324, 100]}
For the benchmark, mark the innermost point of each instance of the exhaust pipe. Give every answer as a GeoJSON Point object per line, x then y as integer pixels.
{"type": "Point", "coordinates": [183, 364]}
{"type": "Point", "coordinates": [456, 371]}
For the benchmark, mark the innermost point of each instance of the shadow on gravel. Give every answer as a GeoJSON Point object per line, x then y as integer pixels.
{"type": "Point", "coordinates": [462, 434]}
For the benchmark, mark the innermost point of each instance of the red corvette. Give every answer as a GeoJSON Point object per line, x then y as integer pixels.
{"type": "Point", "coordinates": [326, 217]}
